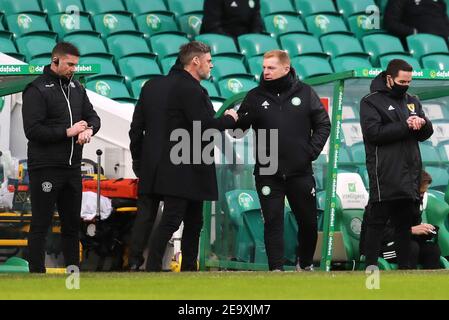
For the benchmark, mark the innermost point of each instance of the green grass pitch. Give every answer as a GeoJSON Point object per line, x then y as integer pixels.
{"type": "Point", "coordinates": [229, 286]}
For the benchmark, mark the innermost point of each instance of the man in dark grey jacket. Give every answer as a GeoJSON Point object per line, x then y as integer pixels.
{"type": "Point", "coordinates": [58, 120]}
{"type": "Point", "coordinates": [393, 122]}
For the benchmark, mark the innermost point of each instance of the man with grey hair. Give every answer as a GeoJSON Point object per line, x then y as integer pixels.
{"type": "Point", "coordinates": [187, 184]}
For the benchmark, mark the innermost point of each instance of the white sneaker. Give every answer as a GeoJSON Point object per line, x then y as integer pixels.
{"type": "Point", "coordinates": [308, 268]}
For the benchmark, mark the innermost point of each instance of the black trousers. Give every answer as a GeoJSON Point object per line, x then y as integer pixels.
{"type": "Point", "coordinates": [426, 254]}
{"type": "Point", "coordinates": [300, 193]}
{"type": "Point", "coordinates": [177, 210]}
{"type": "Point", "coordinates": [401, 213]}
{"type": "Point", "coordinates": [50, 189]}
{"type": "Point", "coordinates": [147, 208]}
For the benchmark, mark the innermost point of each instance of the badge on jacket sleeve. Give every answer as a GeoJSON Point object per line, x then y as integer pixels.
{"type": "Point", "coordinates": [251, 4]}
{"type": "Point", "coordinates": [266, 190]}
{"type": "Point", "coordinates": [411, 107]}
{"type": "Point", "coordinates": [296, 101]}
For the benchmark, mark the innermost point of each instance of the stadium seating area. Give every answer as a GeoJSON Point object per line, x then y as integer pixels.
{"type": "Point", "coordinates": [135, 40]}
{"type": "Point", "coordinates": [321, 36]}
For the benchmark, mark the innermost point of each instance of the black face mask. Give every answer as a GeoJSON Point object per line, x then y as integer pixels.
{"type": "Point", "coordinates": [398, 90]}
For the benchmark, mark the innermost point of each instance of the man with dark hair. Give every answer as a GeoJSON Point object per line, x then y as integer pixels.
{"type": "Point", "coordinates": [407, 17]}
{"type": "Point", "coordinates": [187, 183]}
{"type": "Point", "coordinates": [58, 120]}
{"type": "Point", "coordinates": [283, 103]}
{"type": "Point", "coordinates": [393, 122]}
{"type": "Point", "coordinates": [232, 17]}
{"type": "Point", "coordinates": [146, 135]}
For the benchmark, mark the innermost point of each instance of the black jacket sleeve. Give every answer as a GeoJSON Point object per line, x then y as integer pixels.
{"type": "Point", "coordinates": [34, 113]}
{"type": "Point", "coordinates": [195, 108]}
{"type": "Point", "coordinates": [89, 114]}
{"type": "Point", "coordinates": [212, 17]}
{"type": "Point", "coordinates": [377, 132]}
{"type": "Point", "coordinates": [393, 19]}
{"type": "Point", "coordinates": [427, 130]}
{"type": "Point", "coordinates": [321, 125]}
{"type": "Point", "coordinates": [256, 24]}
{"type": "Point", "coordinates": [246, 115]}
{"type": "Point", "coordinates": [137, 130]}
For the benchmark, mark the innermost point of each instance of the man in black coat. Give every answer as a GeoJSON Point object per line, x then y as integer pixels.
{"type": "Point", "coordinates": [58, 120]}
{"type": "Point", "coordinates": [393, 123]}
{"type": "Point", "coordinates": [146, 135]}
{"type": "Point", "coordinates": [407, 17]}
{"type": "Point", "coordinates": [284, 105]}
{"type": "Point", "coordinates": [231, 17]}
{"type": "Point", "coordinates": [183, 175]}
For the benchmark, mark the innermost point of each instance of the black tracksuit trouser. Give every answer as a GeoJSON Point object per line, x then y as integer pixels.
{"type": "Point", "coordinates": [177, 210]}
{"type": "Point", "coordinates": [147, 208]}
{"type": "Point", "coordinates": [54, 189]}
{"type": "Point", "coordinates": [300, 193]}
{"type": "Point", "coordinates": [401, 212]}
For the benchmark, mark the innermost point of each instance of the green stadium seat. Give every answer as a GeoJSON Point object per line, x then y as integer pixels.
{"type": "Point", "coordinates": [105, 60]}
{"type": "Point", "coordinates": [279, 6]}
{"type": "Point", "coordinates": [64, 24]}
{"type": "Point", "coordinates": [211, 88]}
{"type": "Point", "coordinates": [382, 4]}
{"type": "Point", "coordinates": [41, 60]}
{"type": "Point", "coordinates": [350, 112]}
{"type": "Point", "coordinates": [277, 24]}
{"type": "Point", "coordinates": [440, 177]}
{"type": "Point", "coordinates": [310, 66]}
{"type": "Point", "coordinates": [301, 44]}
{"type": "Point", "coordinates": [350, 7]}
{"type": "Point", "coordinates": [19, 6]}
{"type": "Point", "coordinates": [255, 66]}
{"type": "Point", "coordinates": [325, 23]}
{"type": "Point", "coordinates": [138, 65]}
{"type": "Point", "coordinates": [52, 7]}
{"type": "Point", "coordinates": [167, 44]}
{"type": "Point", "coordinates": [190, 23]}
{"type": "Point", "coordinates": [231, 86]}
{"type": "Point", "coordinates": [180, 7]}
{"type": "Point", "coordinates": [139, 7]}
{"type": "Point", "coordinates": [310, 7]}
{"type": "Point", "coordinates": [113, 22]}
{"type": "Point", "coordinates": [439, 62]}
{"type": "Point", "coordinates": [384, 60]}
{"type": "Point", "coordinates": [342, 44]}
{"type": "Point", "coordinates": [443, 149]}
{"type": "Point", "coordinates": [423, 44]}
{"type": "Point", "coordinates": [36, 44]}
{"type": "Point", "coordinates": [381, 44]}
{"type": "Point", "coordinates": [437, 212]}
{"type": "Point", "coordinates": [127, 43]}
{"type": "Point", "coordinates": [87, 42]}
{"type": "Point", "coordinates": [167, 63]}
{"type": "Point", "coordinates": [7, 45]}
{"type": "Point", "coordinates": [226, 66]}
{"type": "Point", "coordinates": [429, 153]}
{"type": "Point", "coordinates": [111, 86]}
{"type": "Point", "coordinates": [357, 152]}
{"type": "Point", "coordinates": [361, 25]}
{"type": "Point", "coordinates": [352, 132]}
{"type": "Point", "coordinates": [346, 63]}
{"type": "Point", "coordinates": [26, 23]}
{"type": "Point", "coordinates": [244, 211]}
{"type": "Point", "coordinates": [138, 83]}
{"type": "Point", "coordinates": [219, 44]}
{"type": "Point", "coordinates": [100, 6]}
{"type": "Point", "coordinates": [156, 22]}
{"type": "Point", "coordinates": [435, 110]}
{"type": "Point", "coordinates": [253, 44]}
